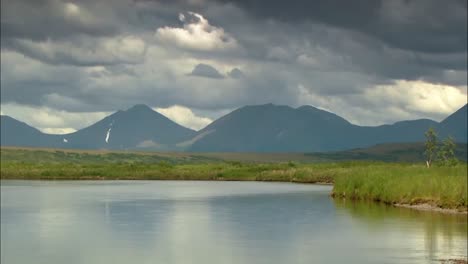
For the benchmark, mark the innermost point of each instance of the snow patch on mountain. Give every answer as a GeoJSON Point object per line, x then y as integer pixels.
{"type": "Point", "coordinates": [108, 135]}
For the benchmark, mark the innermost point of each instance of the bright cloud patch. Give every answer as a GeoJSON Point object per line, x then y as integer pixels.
{"type": "Point", "coordinates": [184, 116]}
{"type": "Point", "coordinates": [386, 104]}
{"type": "Point", "coordinates": [72, 9]}
{"type": "Point", "coordinates": [197, 34]}
{"type": "Point", "coordinates": [58, 131]}
{"type": "Point", "coordinates": [50, 120]}
{"type": "Point", "coordinates": [421, 96]}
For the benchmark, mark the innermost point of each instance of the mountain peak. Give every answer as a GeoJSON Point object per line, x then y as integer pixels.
{"type": "Point", "coordinates": [455, 125]}
{"type": "Point", "coordinates": [254, 128]}
{"type": "Point", "coordinates": [306, 107]}
{"type": "Point", "coordinates": [460, 114]}
{"type": "Point", "coordinates": [266, 107]}
{"type": "Point", "coordinates": [140, 108]}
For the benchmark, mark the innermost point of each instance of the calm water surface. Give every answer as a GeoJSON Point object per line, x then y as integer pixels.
{"type": "Point", "coordinates": [213, 222]}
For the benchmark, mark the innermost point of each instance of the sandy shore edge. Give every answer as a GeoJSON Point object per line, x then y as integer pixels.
{"type": "Point", "coordinates": [432, 208]}
{"type": "Point", "coordinates": [454, 261]}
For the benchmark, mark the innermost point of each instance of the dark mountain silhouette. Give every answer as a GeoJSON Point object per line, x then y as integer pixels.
{"type": "Point", "coordinates": [137, 127]}
{"type": "Point", "coordinates": [272, 128]}
{"type": "Point", "coordinates": [455, 125]}
{"type": "Point", "coordinates": [17, 133]}
{"type": "Point", "coordinates": [259, 128]}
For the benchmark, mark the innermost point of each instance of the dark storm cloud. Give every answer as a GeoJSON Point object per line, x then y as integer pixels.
{"type": "Point", "coordinates": [205, 70]}
{"type": "Point", "coordinates": [48, 19]}
{"type": "Point", "coordinates": [236, 74]}
{"type": "Point", "coordinates": [418, 25]}
{"type": "Point", "coordinates": [58, 19]}
{"type": "Point", "coordinates": [98, 55]}
{"type": "Point", "coordinates": [91, 52]}
{"type": "Point", "coordinates": [436, 30]}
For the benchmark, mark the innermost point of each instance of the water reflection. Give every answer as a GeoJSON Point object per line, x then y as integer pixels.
{"type": "Point", "coordinates": [432, 234]}
{"type": "Point", "coordinates": [207, 222]}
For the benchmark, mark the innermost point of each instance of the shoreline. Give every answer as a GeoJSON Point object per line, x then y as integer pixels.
{"type": "Point", "coordinates": [432, 208]}
{"type": "Point", "coordinates": [427, 207]}
{"type": "Point", "coordinates": [385, 182]}
{"type": "Point", "coordinates": [454, 261]}
{"type": "Point", "coordinates": [423, 206]}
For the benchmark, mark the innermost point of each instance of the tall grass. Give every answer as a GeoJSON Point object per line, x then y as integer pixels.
{"type": "Point", "coordinates": [405, 183]}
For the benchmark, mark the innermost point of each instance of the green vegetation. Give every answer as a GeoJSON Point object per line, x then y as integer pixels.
{"type": "Point", "coordinates": [229, 171]}
{"type": "Point", "coordinates": [444, 186]}
{"type": "Point", "coordinates": [431, 146]}
{"type": "Point", "coordinates": [446, 154]}
{"type": "Point", "coordinates": [443, 153]}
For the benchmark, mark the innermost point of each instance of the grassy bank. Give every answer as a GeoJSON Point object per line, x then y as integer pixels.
{"type": "Point", "coordinates": [444, 187]}
{"type": "Point", "coordinates": [378, 181]}
{"type": "Point", "coordinates": [229, 171]}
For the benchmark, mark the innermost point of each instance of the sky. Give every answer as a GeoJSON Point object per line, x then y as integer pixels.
{"type": "Point", "coordinates": [67, 64]}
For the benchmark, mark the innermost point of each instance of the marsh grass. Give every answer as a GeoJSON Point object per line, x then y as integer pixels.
{"type": "Point", "coordinates": [393, 183]}
{"type": "Point", "coordinates": [377, 181]}
{"type": "Point", "coordinates": [161, 171]}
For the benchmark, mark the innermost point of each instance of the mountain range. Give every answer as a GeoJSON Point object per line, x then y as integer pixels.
{"type": "Point", "coordinates": [257, 128]}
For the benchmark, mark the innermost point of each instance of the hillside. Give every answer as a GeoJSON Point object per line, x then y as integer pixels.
{"type": "Point", "coordinates": [394, 152]}
{"type": "Point", "coordinates": [272, 128]}
{"type": "Point", "coordinates": [17, 133]}
{"type": "Point", "coordinates": [136, 128]}
{"type": "Point", "coordinates": [455, 125]}
{"type": "Point", "coordinates": [257, 128]}
{"type": "Point", "coordinates": [139, 127]}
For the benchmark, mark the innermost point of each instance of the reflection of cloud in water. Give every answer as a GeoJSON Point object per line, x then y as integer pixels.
{"type": "Point", "coordinates": [63, 225]}
{"type": "Point", "coordinates": [189, 237]}
{"type": "Point", "coordinates": [261, 223]}
{"type": "Point", "coordinates": [429, 235]}
{"type": "Point", "coordinates": [139, 220]}
{"type": "Point", "coordinates": [206, 222]}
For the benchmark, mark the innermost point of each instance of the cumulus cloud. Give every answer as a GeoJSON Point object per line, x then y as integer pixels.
{"type": "Point", "coordinates": [57, 101]}
{"type": "Point", "coordinates": [89, 52]}
{"type": "Point", "coordinates": [197, 34]}
{"type": "Point", "coordinates": [51, 19]}
{"type": "Point", "coordinates": [100, 56]}
{"type": "Point", "coordinates": [279, 53]}
{"type": "Point", "coordinates": [419, 25]}
{"type": "Point", "coordinates": [307, 60]}
{"type": "Point", "coordinates": [236, 74]}
{"type": "Point", "coordinates": [389, 103]}
{"type": "Point", "coordinates": [420, 96]}
{"type": "Point", "coordinates": [205, 70]}
{"type": "Point", "coordinates": [322, 59]}
{"type": "Point", "coordinates": [185, 117]}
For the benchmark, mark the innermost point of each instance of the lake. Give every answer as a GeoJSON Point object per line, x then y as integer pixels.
{"type": "Point", "coordinates": [213, 222]}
